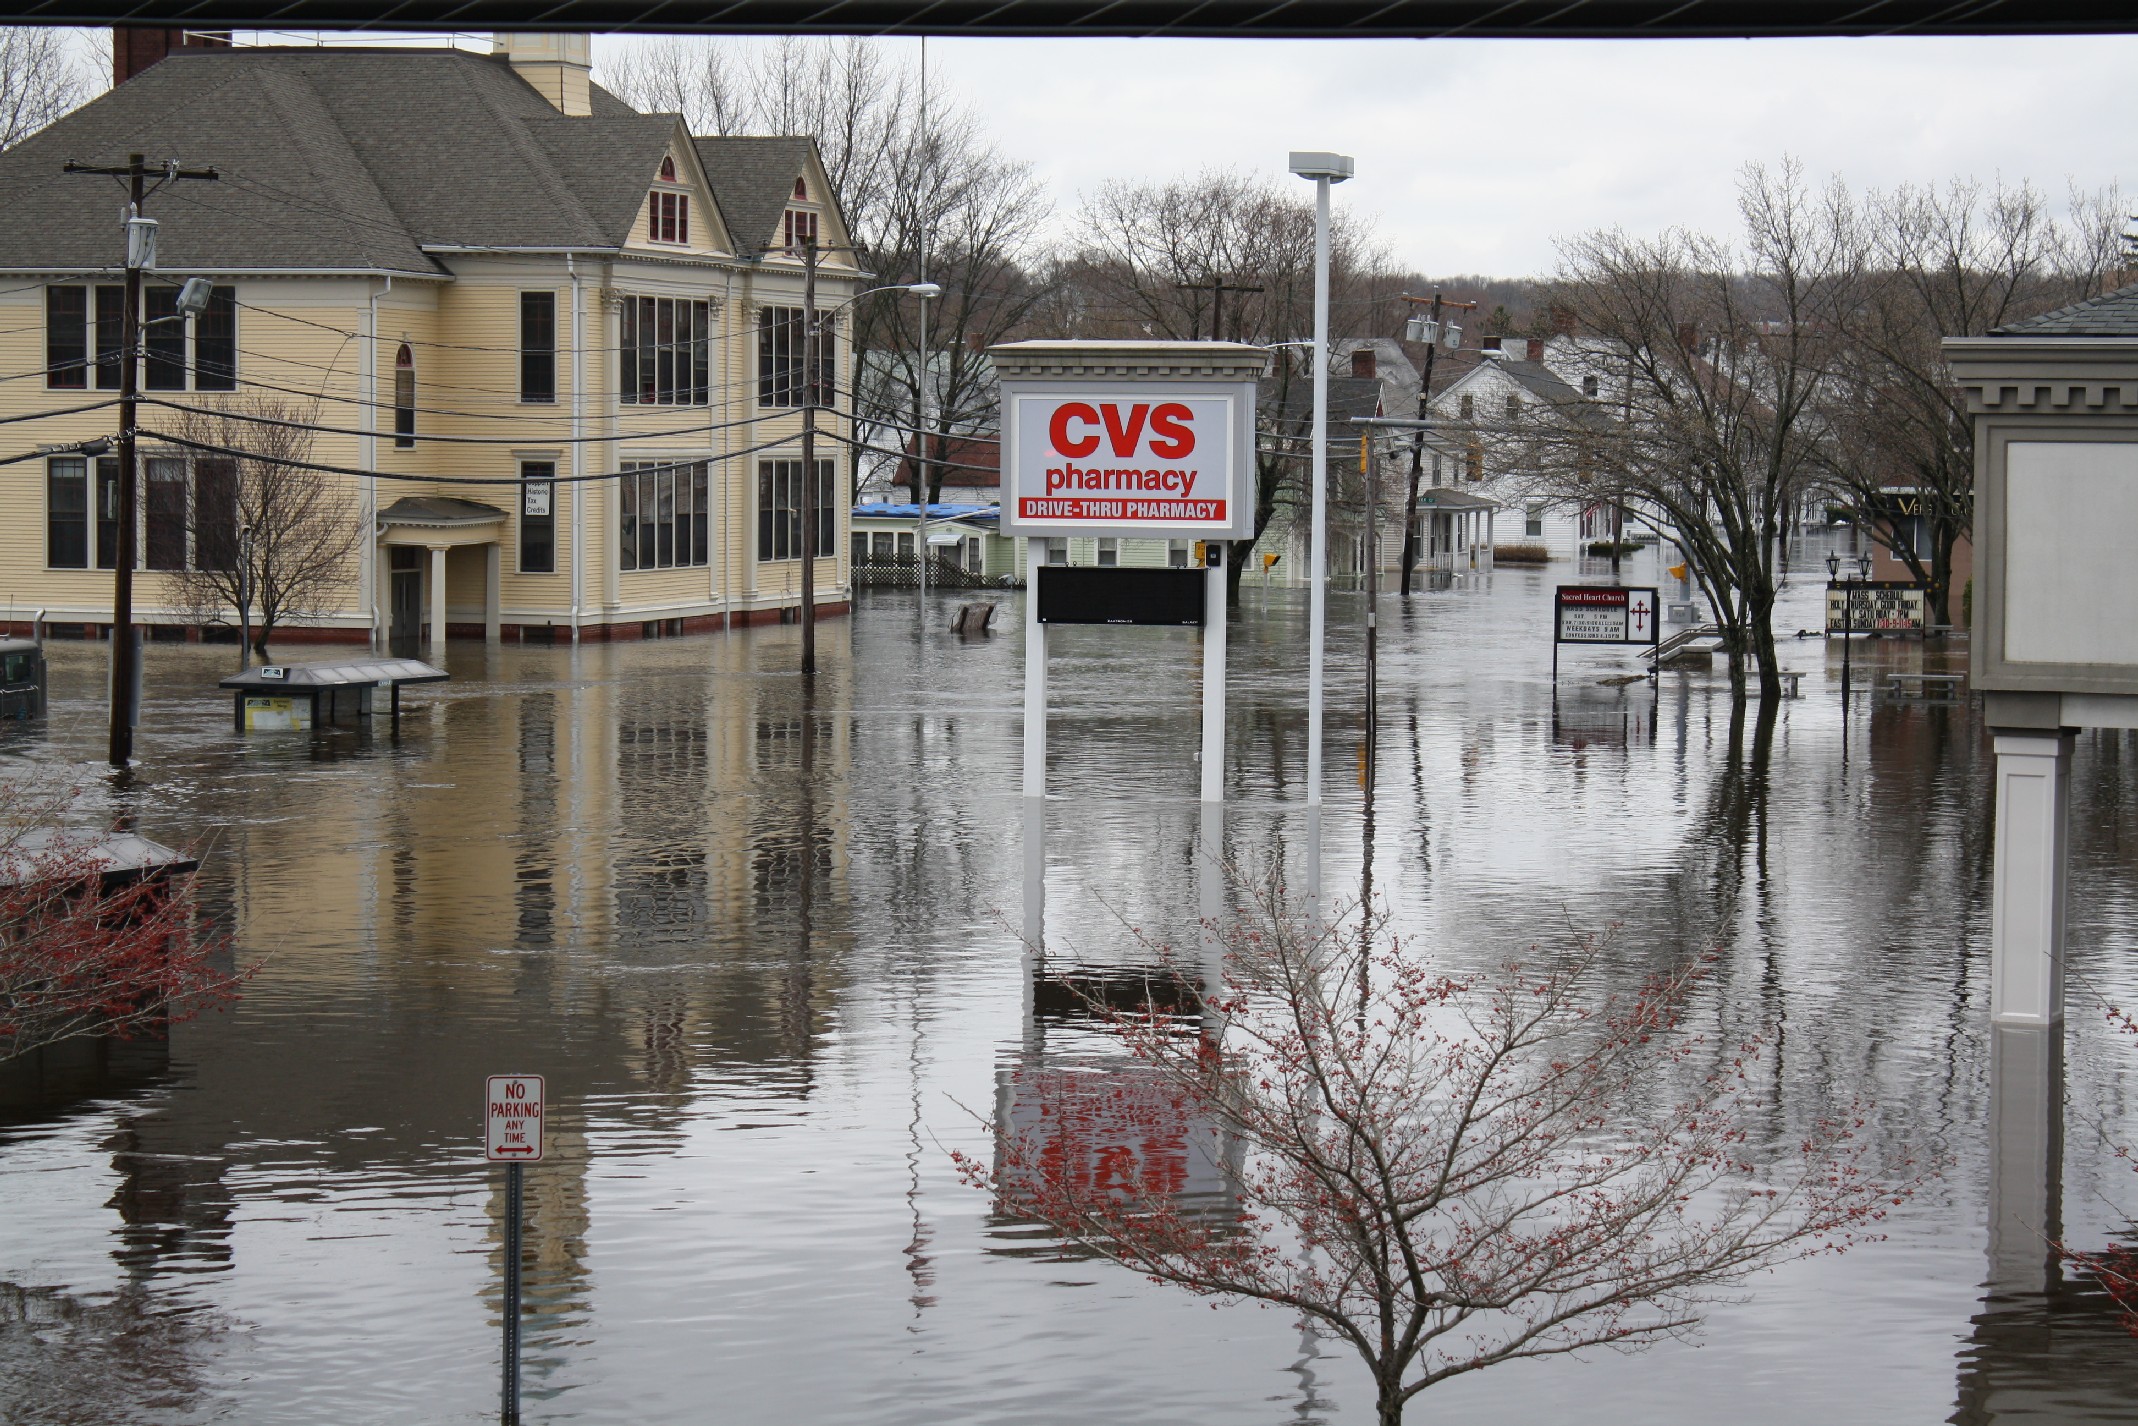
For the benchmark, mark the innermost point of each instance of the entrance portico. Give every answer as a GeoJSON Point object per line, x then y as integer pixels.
{"type": "Point", "coordinates": [437, 524]}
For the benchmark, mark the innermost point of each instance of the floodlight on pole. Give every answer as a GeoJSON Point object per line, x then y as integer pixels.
{"type": "Point", "coordinates": [1321, 169]}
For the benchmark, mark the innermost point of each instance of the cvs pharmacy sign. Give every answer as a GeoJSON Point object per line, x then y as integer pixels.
{"type": "Point", "coordinates": [1156, 459]}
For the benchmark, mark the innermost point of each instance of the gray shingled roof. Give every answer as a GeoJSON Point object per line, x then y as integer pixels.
{"type": "Point", "coordinates": [753, 178]}
{"type": "Point", "coordinates": [340, 159]}
{"type": "Point", "coordinates": [2114, 314]}
{"type": "Point", "coordinates": [1542, 382]}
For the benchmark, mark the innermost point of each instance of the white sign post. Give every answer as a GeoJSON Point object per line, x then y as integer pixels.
{"type": "Point", "coordinates": [512, 1135]}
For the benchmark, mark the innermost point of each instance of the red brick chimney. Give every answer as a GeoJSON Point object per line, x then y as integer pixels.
{"type": "Point", "coordinates": [136, 47]}
{"type": "Point", "coordinates": [1362, 362]}
{"type": "Point", "coordinates": [1536, 349]}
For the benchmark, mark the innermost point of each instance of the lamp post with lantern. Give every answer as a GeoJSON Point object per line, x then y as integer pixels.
{"type": "Point", "coordinates": [1848, 588]}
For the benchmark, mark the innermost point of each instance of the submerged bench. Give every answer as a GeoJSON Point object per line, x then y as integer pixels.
{"type": "Point", "coordinates": [1926, 685]}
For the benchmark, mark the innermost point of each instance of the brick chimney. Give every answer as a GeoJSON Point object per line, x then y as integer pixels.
{"type": "Point", "coordinates": [1536, 349]}
{"type": "Point", "coordinates": [136, 47]}
{"type": "Point", "coordinates": [560, 66]}
{"type": "Point", "coordinates": [1362, 362]}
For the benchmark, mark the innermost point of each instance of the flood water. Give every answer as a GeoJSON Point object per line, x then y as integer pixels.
{"type": "Point", "coordinates": [768, 954]}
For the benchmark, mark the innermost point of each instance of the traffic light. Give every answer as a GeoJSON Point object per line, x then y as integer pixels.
{"type": "Point", "coordinates": [1196, 557]}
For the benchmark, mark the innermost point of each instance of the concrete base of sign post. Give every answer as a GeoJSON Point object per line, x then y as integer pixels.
{"type": "Point", "coordinates": [2027, 896]}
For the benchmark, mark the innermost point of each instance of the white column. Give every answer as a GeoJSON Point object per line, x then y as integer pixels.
{"type": "Point", "coordinates": [1214, 679]}
{"type": "Point", "coordinates": [1035, 674]}
{"type": "Point", "coordinates": [493, 593]}
{"type": "Point", "coordinates": [437, 610]}
{"type": "Point", "coordinates": [2026, 1157]}
{"type": "Point", "coordinates": [2027, 880]}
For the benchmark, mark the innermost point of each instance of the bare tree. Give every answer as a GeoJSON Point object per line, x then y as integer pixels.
{"type": "Point", "coordinates": [924, 193]}
{"type": "Point", "coordinates": [1928, 263]}
{"type": "Point", "coordinates": [1148, 264]}
{"type": "Point", "coordinates": [264, 534]}
{"type": "Point", "coordinates": [1449, 1174]}
{"type": "Point", "coordinates": [1727, 351]}
{"type": "Point", "coordinates": [41, 78]}
{"type": "Point", "coordinates": [86, 948]}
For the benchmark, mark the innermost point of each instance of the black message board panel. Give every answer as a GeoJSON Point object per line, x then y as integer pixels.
{"type": "Point", "coordinates": [1169, 597]}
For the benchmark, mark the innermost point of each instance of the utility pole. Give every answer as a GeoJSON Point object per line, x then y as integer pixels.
{"type": "Point", "coordinates": [1417, 450]}
{"type": "Point", "coordinates": [809, 457]}
{"type": "Point", "coordinates": [140, 254]}
{"type": "Point", "coordinates": [1217, 287]}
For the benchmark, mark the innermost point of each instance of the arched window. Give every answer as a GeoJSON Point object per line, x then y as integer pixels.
{"type": "Point", "coordinates": [801, 190]}
{"type": "Point", "coordinates": [404, 397]}
{"type": "Point", "coordinates": [668, 170]}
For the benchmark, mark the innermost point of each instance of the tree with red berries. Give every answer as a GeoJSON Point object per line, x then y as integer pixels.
{"type": "Point", "coordinates": [1450, 1173]}
{"type": "Point", "coordinates": [88, 947]}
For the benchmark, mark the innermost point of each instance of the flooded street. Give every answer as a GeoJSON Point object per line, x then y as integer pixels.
{"type": "Point", "coordinates": [768, 954]}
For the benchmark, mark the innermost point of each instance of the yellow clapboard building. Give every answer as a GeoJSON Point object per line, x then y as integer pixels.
{"type": "Point", "coordinates": [522, 361]}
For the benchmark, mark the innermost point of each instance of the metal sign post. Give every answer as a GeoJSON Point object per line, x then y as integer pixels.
{"type": "Point", "coordinates": [512, 1136]}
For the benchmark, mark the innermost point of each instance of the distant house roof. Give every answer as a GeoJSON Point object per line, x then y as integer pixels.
{"type": "Point", "coordinates": [2113, 314]}
{"type": "Point", "coordinates": [1539, 381]}
{"type": "Point", "coordinates": [1348, 396]}
{"type": "Point", "coordinates": [338, 159]}
{"type": "Point", "coordinates": [907, 510]}
{"type": "Point", "coordinates": [967, 461]}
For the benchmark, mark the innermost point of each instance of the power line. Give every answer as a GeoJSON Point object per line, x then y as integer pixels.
{"type": "Point", "coordinates": [642, 467]}
{"type": "Point", "coordinates": [519, 440]}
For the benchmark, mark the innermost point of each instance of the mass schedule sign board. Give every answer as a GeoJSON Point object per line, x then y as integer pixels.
{"type": "Point", "coordinates": [1152, 440]}
{"type": "Point", "coordinates": [1596, 614]}
{"type": "Point", "coordinates": [1882, 607]}
{"type": "Point", "coordinates": [512, 1119]}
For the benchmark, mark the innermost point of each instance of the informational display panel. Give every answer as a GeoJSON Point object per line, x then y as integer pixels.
{"type": "Point", "coordinates": [1169, 597]}
{"type": "Point", "coordinates": [1883, 606]}
{"type": "Point", "coordinates": [1129, 457]}
{"type": "Point", "coordinates": [1598, 614]}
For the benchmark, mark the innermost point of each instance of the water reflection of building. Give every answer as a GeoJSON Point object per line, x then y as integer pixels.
{"type": "Point", "coordinates": [542, 876]}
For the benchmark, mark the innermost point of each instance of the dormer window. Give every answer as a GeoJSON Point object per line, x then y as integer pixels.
{"type": "Point", "coordinates": [799, 229]}
{"type": "Point", "coordinates": [801, 190]}
{"type": "Point", "coordinates": [668, 213]}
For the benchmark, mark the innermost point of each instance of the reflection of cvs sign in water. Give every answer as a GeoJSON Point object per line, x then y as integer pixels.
{"type": "Point", "coordinates": [1123, 461]}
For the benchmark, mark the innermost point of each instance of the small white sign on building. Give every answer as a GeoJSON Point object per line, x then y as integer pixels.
{"type": "Point", "coordinates": [512, 1119]}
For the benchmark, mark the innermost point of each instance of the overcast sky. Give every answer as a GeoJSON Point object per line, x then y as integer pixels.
{"type": "Point", "coordinates": [1473, 155]}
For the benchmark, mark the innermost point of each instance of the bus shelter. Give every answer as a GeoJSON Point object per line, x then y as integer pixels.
{"type": "Point", "coordinates": [303, 696]}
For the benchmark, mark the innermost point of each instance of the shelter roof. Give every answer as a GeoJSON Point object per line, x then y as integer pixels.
{"type": "Point", "coordinates": [354, 673]}
{"type": "Point", "coordinates": [115, 857]}
{"type": "Point", "coordinates": [2113, 314]}
{"type": "Point", "coordinates": [907, 510]}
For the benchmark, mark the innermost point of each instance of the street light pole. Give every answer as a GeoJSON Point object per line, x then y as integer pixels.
{"type": "Point", "coordinates": [1323, 169]}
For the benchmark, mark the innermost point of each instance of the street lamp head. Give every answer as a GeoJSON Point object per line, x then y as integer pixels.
{"type": "Point", "coordinates": [193, 297]}
{"type": "Point", "coordinates": [95, 446]}
{"type": "Point", "coordinates": [1335, 167]}
{"type": "Point", "coordinates": [1863, 564]}
{"type": "Point", "coordinates": [1833, 566]}
{"type": "Point", "coordinates": [928, 291]}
